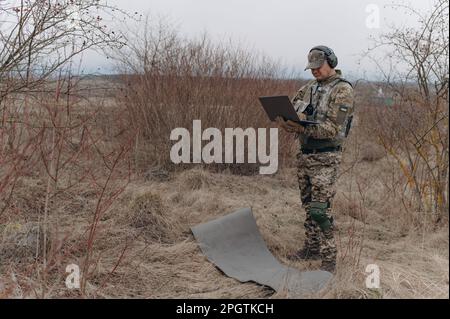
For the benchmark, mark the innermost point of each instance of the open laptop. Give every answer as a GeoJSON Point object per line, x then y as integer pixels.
{"type": "Point", "coordinates": [281, 106]}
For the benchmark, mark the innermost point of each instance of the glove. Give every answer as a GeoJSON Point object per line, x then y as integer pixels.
{"type": "Point", "coordinates": [289, 126]}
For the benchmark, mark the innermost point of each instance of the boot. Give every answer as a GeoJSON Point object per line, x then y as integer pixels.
{"type": "Point", "coordinates": [329, 266]}
{"type": "Point", "coordinates": [305, 253]}
{"type": "Point", "coordinates": [311, 248]}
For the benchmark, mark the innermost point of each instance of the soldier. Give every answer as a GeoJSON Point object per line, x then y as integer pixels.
{"type": "Point", "coordinates": [327, 100]}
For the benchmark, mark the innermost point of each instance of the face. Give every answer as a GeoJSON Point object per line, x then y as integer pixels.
{"type": "Point", "coordinates": [322, 73]}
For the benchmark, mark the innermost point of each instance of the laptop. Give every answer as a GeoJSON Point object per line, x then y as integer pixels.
{"type": "Point", "coordinates": [281, 106]}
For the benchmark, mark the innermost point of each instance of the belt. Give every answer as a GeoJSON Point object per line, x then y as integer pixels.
{"type": "Point", "coordinates": [321, 150]}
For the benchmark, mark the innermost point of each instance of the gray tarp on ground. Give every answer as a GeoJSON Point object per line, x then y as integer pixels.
{"type": "Point", "coordinates": [234, 244]}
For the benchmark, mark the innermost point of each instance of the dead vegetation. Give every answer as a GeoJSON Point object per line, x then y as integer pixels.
{"type": "Point", "coordinates": [85, 179]}
{"type": "Point", "coordinates": [150, 225]}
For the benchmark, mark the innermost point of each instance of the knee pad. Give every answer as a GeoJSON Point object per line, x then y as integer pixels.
{"type": "Point", "coordinates": [318, 212]}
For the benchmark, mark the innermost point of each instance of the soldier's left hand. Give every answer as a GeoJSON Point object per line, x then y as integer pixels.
{"type": "Point", "coordinates": [289, 126]}
{"type": "Point", "coordinates": [295, 127]}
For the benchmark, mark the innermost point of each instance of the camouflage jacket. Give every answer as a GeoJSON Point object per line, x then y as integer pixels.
{"type": "Point", "coordinates": [333, 103]}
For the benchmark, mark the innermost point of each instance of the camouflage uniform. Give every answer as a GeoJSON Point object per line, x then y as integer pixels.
{"type": "Point", "coordinates": [319, 158]}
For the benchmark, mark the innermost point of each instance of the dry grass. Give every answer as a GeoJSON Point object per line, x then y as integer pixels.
{"type": "Point", "coordinates": [68, 152]}
{"type": "Point", "coordinates": [150, 226]}
{"type": "Point", "coordinates": [143, 247]}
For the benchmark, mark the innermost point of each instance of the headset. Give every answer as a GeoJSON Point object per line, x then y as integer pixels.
{"type": "Point", "coordinates": [329, 54]}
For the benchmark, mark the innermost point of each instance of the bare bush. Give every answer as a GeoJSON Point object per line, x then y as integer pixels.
{"type": "Point", "coordinates": [415, 130]}
{"type": "Point", "coordinates": [169, 81]}
{"type": "Point", "coordinates": [37, 37]}
{"type": "Point", "coordinates": [49, 132]}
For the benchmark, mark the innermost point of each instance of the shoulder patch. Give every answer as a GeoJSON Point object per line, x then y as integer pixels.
{"type": "Point", "coordinates": [342, 114]}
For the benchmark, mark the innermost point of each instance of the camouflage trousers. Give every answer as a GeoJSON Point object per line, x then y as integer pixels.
{"type": "Point", "coordinates": [317, 175]}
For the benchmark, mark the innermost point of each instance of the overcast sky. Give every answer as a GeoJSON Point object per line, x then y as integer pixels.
{"type": "Point", "coordinates": [282, 29]}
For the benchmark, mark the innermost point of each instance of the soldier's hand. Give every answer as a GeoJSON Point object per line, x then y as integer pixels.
{"type": "Point", "coordinates": [282, 124]}
{"type": "Point", "coordinates": [289, 126]}
{"type": "Point", "coordinates": [297, 128]}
